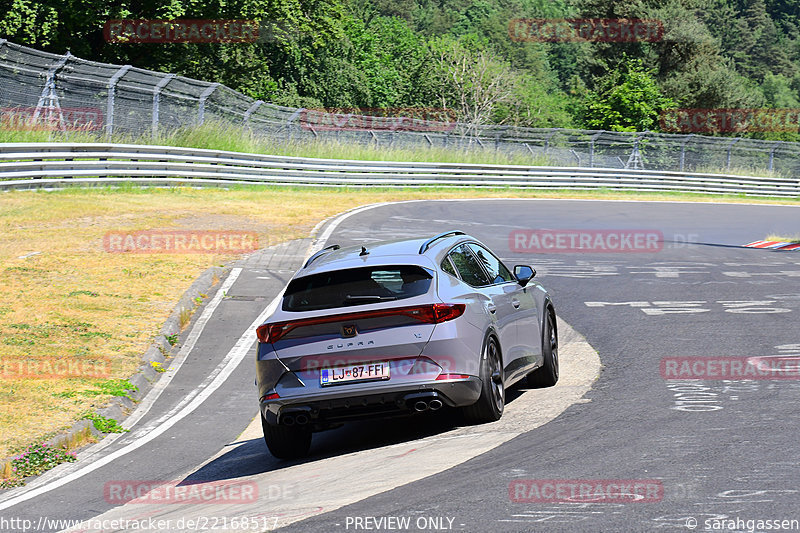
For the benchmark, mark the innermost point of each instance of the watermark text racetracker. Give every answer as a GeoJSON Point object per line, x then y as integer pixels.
{"type": "Point", "coordinates": [62, 368]}
{"type": "Point", "coordinates": [429, 119]}
{"type": "Point", "coordinates": [585, 241]}
{"type": "Point", "coordinates": [177, 492]}
{"type": "Point", "coordinates": [731, 368]}
{"type": "Point", "coordinates": [585, 29]}
{"type": "Point", "coordinates": [585, 490]}
{"type": "Point", "coordinates": [180, 242]}
{"type": "Point", "coordinates": [256, 524]}
{"type": "Point", "coordinates": [730, 120]}
{"type": "Point", "coordinates": [49, 119]}
{"type": "Point", "coordinates": [135, 31]}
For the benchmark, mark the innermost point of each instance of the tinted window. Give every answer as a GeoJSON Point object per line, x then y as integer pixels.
{"type": "Point", "coordinates": [447, 266]}
{"type": "Point", "coordinates": [356, 286]}
{"type": "Point", "coordinates": [497, 270]}
{"type": "Point", "coordinates": [469, 268]}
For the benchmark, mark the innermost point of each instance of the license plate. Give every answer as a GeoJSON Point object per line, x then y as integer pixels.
{"type": "Point", "coordinates": [354, 373]}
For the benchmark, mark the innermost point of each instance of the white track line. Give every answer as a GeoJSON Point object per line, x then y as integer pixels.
{"type": "Point", "coordinates": [61, 476]}
{"type": "Point", "coordinates": [217, 377]}
{"type": "Point", "coordinates": [148, 433]}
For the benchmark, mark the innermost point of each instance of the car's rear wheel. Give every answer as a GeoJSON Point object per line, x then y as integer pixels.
{"type": "Point", "coordinates": [489, 406]}
{"type": "Point", "coordinates": [286, 442]}
{"type": "Point", "coordinates": [547, 374]}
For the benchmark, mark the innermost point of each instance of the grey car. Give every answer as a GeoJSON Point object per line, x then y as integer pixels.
{"type": "Point", "coordinates": [398, 328]}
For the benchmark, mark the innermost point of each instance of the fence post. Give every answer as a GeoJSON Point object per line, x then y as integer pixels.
{"type": "Point", "coordinates": [591, 148]}
{"type": "Point", "coordinates": [772, 153]}
{"type": "Point", "coordinates": [201, 108]}
{"type": "Point", "coordinates": [730, 146]}
{"type": "Point", "coordinates": [683, 150]}
{"type": "Point", "coordinates": [635, 159]}
{"type": "Point", "coordinates": [251, 110]}
{"type": "Point", "coordinates": [157, 100]}
{"type": "Point", "coordinates": [112, 92]}
{"type": "Point", "coordinates": [547, 139]}
{"type": "Point", "coordinates": [49, 92]}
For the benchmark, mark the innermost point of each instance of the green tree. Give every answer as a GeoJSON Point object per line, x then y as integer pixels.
{"type": "Point", "coordinates": [627, 99]}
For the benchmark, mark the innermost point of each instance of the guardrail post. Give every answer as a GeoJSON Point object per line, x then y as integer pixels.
{"type": "Point", "coordinates": [157, 100]}
{"type": "Point", "coordinates": [112, 92]}
{"type": "Point", "coordinates": [730, 146]}
{"type": "Point", "coordinates": [201, 108]}
{"type": "Point", "coordinates": [683, 149]}
{"type": "Point", "coordinates": [772, 153]}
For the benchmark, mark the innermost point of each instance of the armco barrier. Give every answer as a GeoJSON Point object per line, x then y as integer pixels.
{"type": "Point", "coordinates": [58, 165]}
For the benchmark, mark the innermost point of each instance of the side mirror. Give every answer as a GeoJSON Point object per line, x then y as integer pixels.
{"type": "Point", "coordinates": [524, 274]}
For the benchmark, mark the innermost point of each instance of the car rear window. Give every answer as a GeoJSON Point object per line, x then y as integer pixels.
{"type": "Point", "coordinates": [356, 286]}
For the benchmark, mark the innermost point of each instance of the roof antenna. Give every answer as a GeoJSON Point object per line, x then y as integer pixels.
{"type": "Point", "coordinates": [363, 252]}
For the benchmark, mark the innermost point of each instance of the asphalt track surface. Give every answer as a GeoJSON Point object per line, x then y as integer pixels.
{"type": "Point", "coordinates": [720, 449]}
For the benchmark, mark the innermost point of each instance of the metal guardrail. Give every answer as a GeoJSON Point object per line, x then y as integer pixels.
{"type": "Point", "coordinates": [64, 92]}
{"type": "Point", "coordinates": [59, 165]}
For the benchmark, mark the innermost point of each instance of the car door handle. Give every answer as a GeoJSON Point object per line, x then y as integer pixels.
{"type": "Point", "coordinates": [515, 303]}
{"type": "Point", "coordinates": [491, 308]}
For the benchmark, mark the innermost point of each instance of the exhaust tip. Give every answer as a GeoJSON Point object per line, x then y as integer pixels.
{"type": "Point", "coordinates": [435, 404]}
{"type": "Point", "coordinates": [287, 420]}
{"type": "Point", "coordinates": [301, 420]}
{"type": "Point", "coordinates": [420, 406]}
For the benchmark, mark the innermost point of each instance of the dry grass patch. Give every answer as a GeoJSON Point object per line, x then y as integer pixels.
{"type": "Point", "coordinates": [783, 238]}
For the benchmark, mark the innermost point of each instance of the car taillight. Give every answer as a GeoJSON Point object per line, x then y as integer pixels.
{"type": "Point", "coordinates": [273, 332]}
{"type": "Point", "coordinates": [430, 314]}
{"type": "Point", "coordinates": [273, 396]}
{"type": "Point", "coordinates": [445, 312]}
{"type": "Point", "coordinates": [452, 376]}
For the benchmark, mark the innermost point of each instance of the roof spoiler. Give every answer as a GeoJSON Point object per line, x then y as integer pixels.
{"type": "Point", "coordinates": [325, 250]}
{"type": "Point", "coordinates": [429, 242]}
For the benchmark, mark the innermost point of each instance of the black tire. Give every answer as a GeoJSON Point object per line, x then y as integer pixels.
{"type": "Point", "coordinates": [286, 442]}
{"type": "Point", "coordinates": [547, 374]}
{"type": "Point", "coordinates": [489, 407]}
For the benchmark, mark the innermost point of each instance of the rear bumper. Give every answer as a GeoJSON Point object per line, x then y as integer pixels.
{"type": "Point", "coordinates": [330, 408]}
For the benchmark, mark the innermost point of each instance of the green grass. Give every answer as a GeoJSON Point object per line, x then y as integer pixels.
{"type": "Point", "coordinates": [221, 136]}
{"type": "Point", "coordinates": [228, 137]}
{"type": "Point", "coordinates": [111, 387]}
{"type": "Point", "coordinates": [38, 458]}
{"type": "Point", "coordinates": [105, 424]}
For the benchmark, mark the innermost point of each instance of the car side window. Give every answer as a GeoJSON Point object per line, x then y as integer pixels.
{"type": "Point", "coordinates": [497, 270]}
{"type": "Point", "coordinates": [468, 267]}
{"type": "Point", "coordinates": [447, 266]}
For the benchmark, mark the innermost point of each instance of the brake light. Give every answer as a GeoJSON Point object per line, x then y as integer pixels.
{"type": "Point", "coordinates": [445, 312]}
{"type": "Point", "coordinates": [273, 396]}
{"type": "Point", "coordinates": [430, 314]}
